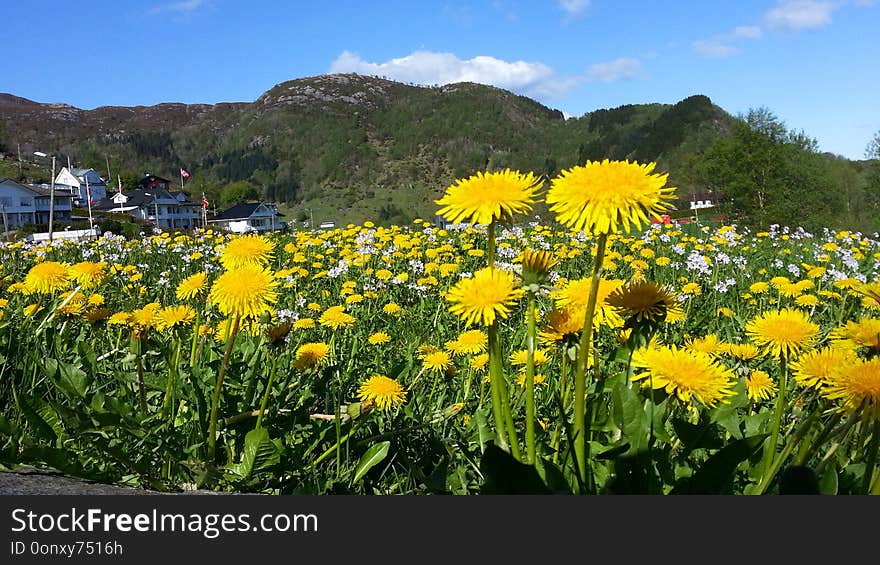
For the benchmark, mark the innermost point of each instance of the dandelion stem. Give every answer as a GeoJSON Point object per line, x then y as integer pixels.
{"type": "Point", "coordinates": [871, 458]}
{"type": "Point", "coordinates": [272, 371]}
{"type": "Point", "coordinates": [215, 400]}
{"type": "Point", "coordinates": [172, 376]}
{"type": "Point", "coordinates": [580, 376]}
{"type": "Point", "coordinates": [770, 446]}
{"type": "Point", "coordinates": [530, 380]}
{"type": "Point", "coordinates": [195, 339]}
{"type": "Point", "coordinates": [495, 376]}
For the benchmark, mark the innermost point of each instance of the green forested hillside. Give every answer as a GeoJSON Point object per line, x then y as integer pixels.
{"type": "Point", "coordinates": [350, 148]}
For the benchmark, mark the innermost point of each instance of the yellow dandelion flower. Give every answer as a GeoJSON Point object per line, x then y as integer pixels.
{"type": "Point", "coordinates": [246, 291]}
{"type": "Point", "coordinates": [385, 393]}
{"type": "Point", "coordinates": [741, 351]}
{"type": "Point", "coordinates": [174, 316]}
{"type": "Point", "coordinates": [145, 318]}
{"type": "Point", "coordinates": [863, 333]}
{"type": "Point", "coordinates": [88, 274]}
{"type": "Point", "coordinates": [806, 300]}
{"type": "Point", "coordinates": [309, 355]}
{"type": "Point", "coordinates": [472, 342]}
{"type": "Point", "coordinates": [335, 317]}
{"type": "Point", "coordinates": [561, 324]}
{"type": "Point", "coordinates": [485, 197]}
{"type": "Point", "coordinates": [119, 319]}
{"type": "Point", "coordinates": [786, 332]}
{"type": "Point", "coordinates": [600, 196]}
{"type": "Point", "coordinates": [488, 294]}
{"type": "Point", "coordinates": [31, 310]}
{"type": "Point", "coordinates": [426, 349]}
{"type": "Point", "coordinates": [760, 386]}
{"type": "Point", "coordinates": [392, 309]}
{"type": "Point", "coordinates": [479, 362]}
{"type": "Point", "coordinates": [304, 324]}
{"type": "Point", "coordinates": [191, 287]}
{"type": "Point", "coordinates": [518, 358]}
{"type": "Point", "coordinates": [378, 338]}
{"type": "Point", "coordinates": [759, 287]}
{"type": "Point", "coordinates": [437, 361]}
{"type": "Point", "coordinates": [538, 379]}
{"type": "Point", "coordinates": [709, 344]}
{"type": "Point", "coordinates": [814, 368]}
{"type": "Point", "coordinates": [536, 266]}
{"type": "Point", "coordinates": [575, 295]}
{"type": "Point", "coordinates": [644, 301]}
{"type": "Point", "coordinates": [47, 277]}
{"type": "Point", "coordinates": [857, 387]}
{"type": "Point", "coordinates": [246, 251]}
{"type": "Point", "coordinates": [690, 375]}
{"type": "Point", "coordinates": [692, 288]}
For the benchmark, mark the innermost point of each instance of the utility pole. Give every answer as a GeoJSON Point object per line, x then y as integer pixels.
{"type": "Point", "coordinates": [89, 198]}
{"type": "Point", "coordinates": [107, 159]}
{"type": "Point", "coordinates": [51, 193]}
{"type": "Point", "coordinates": [52, 200]}
{"type": "Point", "coordinates": [19, 161]}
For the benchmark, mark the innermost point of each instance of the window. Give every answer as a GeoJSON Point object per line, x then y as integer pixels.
{"type": "Point", "coordinates": [5, 201]}
{"type": "Point", "coordinates": [26, 201]}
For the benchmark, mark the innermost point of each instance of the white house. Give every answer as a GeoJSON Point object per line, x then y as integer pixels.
{"type": "Point", "coordinates": [157, 206]}
{"type": "Point", "coordinates": [22, 204]}
{"type": "Point", "coordinates": [248, 217]}
{"type": "Point", "coordinates": [79, 182]}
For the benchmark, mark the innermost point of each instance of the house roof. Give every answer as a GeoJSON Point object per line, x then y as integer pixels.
{"type": "Point", "coordinates": [148, 177]}
{"type": "Point", "coordinates": [36, 190]}
{"type": "Point", "coordinates": [136, 199]}
{"type": "Point", "coordinates": [241, 211]}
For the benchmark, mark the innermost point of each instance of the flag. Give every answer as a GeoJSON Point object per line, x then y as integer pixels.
{"type": "Point", "coordinates": [184, 174]}
{"type": "Point", "coordinates": [204, 201]}
{"type": "Point", "coordinates": [119, 180]}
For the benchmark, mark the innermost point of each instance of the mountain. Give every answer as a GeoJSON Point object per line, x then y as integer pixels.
{"type": "Point", "coordinates": [348, 147]}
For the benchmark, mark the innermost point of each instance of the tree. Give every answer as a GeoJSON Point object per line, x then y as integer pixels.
{"type": "Point", "coordinates": [774, 176]}
{"type": "Point", "coordinates": [239, 191]}
{"type": "Point", "coordinates": [872, 151]}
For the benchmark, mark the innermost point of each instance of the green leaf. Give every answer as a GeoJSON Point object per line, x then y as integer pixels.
{"type": "Point", "coordinates": [828, 484]}
{"type": "Point", "coordinates": [727, 417]}
{"type": "Point", "coordinates": [260, 453]}
{"type": "Point", "coordinates": [50, 416]}
{"type": "Point", "coordinates": [552, 476]}
{"type": "Point", "coordinates": [30, 409]}
{"type": "Point", "coordinates": [87, 354]}
{"type": "Point", "coordinates": [703, 435]}
{"type": "Point", "coordinates": [502, 474]}
{"type": "Point", "coordinates": [72, 380]}
{"type": "Point", "coordinates": [483, 431]}
{"type": "Point", "coordinates": [716, 474]}
{"type": "Point", "coordinates": [373, 456]}
{"type": "Point", "coordinates": [629, 415]}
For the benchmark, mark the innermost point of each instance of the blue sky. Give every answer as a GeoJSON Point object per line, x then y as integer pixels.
{"type": "Point", "coordinates": [814, 63]}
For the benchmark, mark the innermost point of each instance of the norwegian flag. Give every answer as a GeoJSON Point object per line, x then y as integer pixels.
{"type": "Point", "coordinates": [184, 173]}
{"type": "Point", "coordinates": [204, 201]}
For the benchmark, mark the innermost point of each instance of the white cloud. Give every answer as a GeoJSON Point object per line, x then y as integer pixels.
{"type": "Point", "coordinates": [714, 48]}
{"type": "Point", "coordinates": [749, 32]}
{"type": "Point", "coordinates": [618, 69]}
{"type": "Point", "coordinates": [574, 7]}
{"type": "Point", "coordinates": [536, 80]}
{"type": "Point", "coordinates": [796, 15]}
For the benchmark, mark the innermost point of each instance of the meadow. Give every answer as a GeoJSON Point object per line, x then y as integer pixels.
{"type": "Point", "coordinates": [591, 353]}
